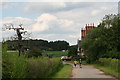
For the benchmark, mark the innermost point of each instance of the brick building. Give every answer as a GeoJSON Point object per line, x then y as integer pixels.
{"type": "Point", "coordinates": [83, 34]}
{"type": "Point", "coordinates": [86, 29]}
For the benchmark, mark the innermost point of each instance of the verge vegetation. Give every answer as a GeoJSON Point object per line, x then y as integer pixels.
{"type": "Point", "coordinates": [22, 67]}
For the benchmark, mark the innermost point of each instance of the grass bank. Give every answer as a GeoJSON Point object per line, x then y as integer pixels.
{"type": "Point", "coordinates": [109, 66]}
{"type": "Point", "coordinates": [107, 70]}
{"type": "Point", "coordinates": [65, 72]}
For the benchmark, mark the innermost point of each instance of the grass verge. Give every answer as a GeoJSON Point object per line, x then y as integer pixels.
{"type": "Point", "coordinates": [65, 72]}
{"type": "Point", "coordinates": [107, 70]}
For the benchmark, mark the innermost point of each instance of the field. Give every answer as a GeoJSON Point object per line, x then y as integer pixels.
{"type": "Point", "coordinates": [55, 53]}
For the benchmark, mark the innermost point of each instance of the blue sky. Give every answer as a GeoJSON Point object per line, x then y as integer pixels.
{"type": "Point", "coordinates": [54, 20]}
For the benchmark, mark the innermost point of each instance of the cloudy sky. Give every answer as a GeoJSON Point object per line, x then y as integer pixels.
{"type": "Point", "coordinates": [54, 20]}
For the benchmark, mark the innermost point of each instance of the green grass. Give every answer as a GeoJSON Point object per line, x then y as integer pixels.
{"type": "Point", "coordinates": [55, 53]}
{"type": "Point", "coordinates": [107, 70]}
{"type": "Point", "coordinates": [70, 61]}
{"type": "Point", "coordinates": [65, 72]}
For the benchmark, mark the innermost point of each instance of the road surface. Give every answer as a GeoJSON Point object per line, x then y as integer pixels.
{"type": "Point", "coordinates": [88, 71]}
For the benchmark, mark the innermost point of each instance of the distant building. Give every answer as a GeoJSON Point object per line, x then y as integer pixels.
{"type": "Point", "coordinates": [86, 29]}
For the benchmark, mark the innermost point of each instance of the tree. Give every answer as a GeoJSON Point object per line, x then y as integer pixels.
{"type": "Point", "coordinates": [41, 44]}
{"type": "Point", "coordinates": [103, 41]}
{"type": "Point", "coordinates": [72, 51]}
{"type": "Point", "coordinates": [19, 35]}
{"type": "Point", "coordinates": [93, 43]}
{"type": "Point", "coordinates": [35, 52]}
{"type": "Point", "coordinates": [59, 45]}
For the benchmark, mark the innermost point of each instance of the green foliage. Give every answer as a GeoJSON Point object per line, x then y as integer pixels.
{"type": "Point", "coordinates": [21, 67]}
{"type": "Point", "coordinates": [43, 67]}
{"type": "Point", "coordinates": [72, 51]}
{"type": "Point", "coordinates": [35, 52]}
{"type": "Point", "coordinates": [58, 45]}
{"type": "Point", "coordinates": [4, 47]}
{"type": "Point", "coordinates": [104, 40]}
{"type": "Point", "coordinates": [6, 72]}
{"type": "Point", "coordinates": [110, 66]}
{"type": "Point", "coordinates": [76, 58]}
{"type": "Point", "coordinates": [113, 63]}
{"type": "Point", "coordinates": [13, 66]}
{"type": "Point", "coordinates": [41, 44]}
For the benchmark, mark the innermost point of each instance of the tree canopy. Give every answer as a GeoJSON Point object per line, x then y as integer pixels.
{"type": "Point", "coordinates": [104, 40]}
{"type": "Point", "coordinates": [40, 44]}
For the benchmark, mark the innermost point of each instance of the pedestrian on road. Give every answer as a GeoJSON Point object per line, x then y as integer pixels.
{"type": "Point", "coordinates": [75, 63]}
{"type": "Point", "coordinates": [80, 61]}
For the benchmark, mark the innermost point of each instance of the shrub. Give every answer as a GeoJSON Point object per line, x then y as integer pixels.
{"type": "Point", "coordinates": [109, 62]}
{"type": "Point", "coordinates": [76, 58]}
{"type": "Point", "coordinates": [14, 66]}
{"type": "Point", "coordinates": [110, 66]}
{"type": "Point", "coordinates": [43, 67]}
{"type": "Point", "coordinates": [6, 66]}
{"type": "Point", "coordinates": [35, 52]}
{"type": "Point", "coordinates": [21, 67]}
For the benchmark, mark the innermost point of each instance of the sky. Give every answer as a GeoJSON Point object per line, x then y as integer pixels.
{"type": "Point", "coordinates": [52, 20]}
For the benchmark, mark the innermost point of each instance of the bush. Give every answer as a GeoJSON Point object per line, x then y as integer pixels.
{"type": "Point", "coordinates": [72, 51]}
{"type": "Point", "coordinates": [105, 61]}
{"type": "Point", "coordinates": [109, 62]}
{"type": "Point", "coordinates": [35, 52]}
{"type": "Point", "coordinates": [76, 58]}
{"type": "Point", "coordinates": [14, 66]}
{"type": "Point", "coordinates": [21, 67]}
{"type": "Point", "coordinates": [6, 66]}
{"type": "Point", "coordinates": [43, 67]}
{"type": "Point", "coordinates": [110, 66]}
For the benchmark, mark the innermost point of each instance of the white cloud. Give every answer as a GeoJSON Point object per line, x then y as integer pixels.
{"type": "Point", "coordinates": [60, 0]}
{"type": "Point", "coordinates": [16, 21]}
{"type": "Point", "coordinates": [95, 12]}
{"type": "Point", "coordinates": [43, 7]}
{"type": "Point", "coordinates": [62, 24]}
{"type": "Point", "coordinates": [48, 22]}
{"type": "Point", "coordinates": [39, 27]}
{"type": "Point", "coordinates": [45, 26]}
{"type": "Point", "coordinates": [43, 21]}
{"type": "Point", "coordinates": [67, 22]}
{"type": "Point", "coordinates": [46, 17]}
{"type": "Point", "coordinates": [74, 36]}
